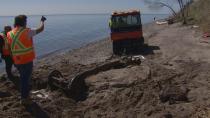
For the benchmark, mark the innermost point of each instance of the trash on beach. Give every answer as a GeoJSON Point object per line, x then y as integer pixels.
{"type": "Point", "coordinates": [161, 22]}
{"type": "Point", "coordinates": [195, 26]}
{"type": "Point", "coordinates": [140, 57]}
{"type": "Point", "coordinates": [40, 94]}
{"type": "Point", "coordinates": [133, 60]}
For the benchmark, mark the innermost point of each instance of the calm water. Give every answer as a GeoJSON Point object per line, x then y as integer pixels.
{"type": "Point", "coordinates": [70, 31]}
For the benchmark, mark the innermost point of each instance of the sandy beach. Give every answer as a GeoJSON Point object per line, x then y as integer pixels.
{"type": "Point", "coordinates": [171, 82]}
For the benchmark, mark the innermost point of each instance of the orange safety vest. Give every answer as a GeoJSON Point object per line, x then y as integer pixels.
{"type": "Point", "coordinates": [21, 45]}
{"type": "Point", "coordinates": [5, 48]}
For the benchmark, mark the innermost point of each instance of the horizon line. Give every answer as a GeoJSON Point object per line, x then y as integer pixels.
{"type": "Point", "coordinates": [79, 14]}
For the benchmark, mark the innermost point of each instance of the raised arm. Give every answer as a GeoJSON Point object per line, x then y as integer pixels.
{"type": "Point", "coordinates": [41, 26]}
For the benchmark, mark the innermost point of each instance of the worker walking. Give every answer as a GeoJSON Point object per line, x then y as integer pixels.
{"type": "Point", "coordinates": [5, 53]}
{"type": "Point", "coordinates": [22, 50]}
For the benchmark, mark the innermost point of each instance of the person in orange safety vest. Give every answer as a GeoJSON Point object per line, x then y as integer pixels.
{"type": "Point", "coordinates": [22, 50]}
{"type": "Point", "coordinates": [5, 52]}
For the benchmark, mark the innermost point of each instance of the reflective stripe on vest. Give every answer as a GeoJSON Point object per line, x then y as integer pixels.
{"type": "Point", "coordinates": [16, 42]}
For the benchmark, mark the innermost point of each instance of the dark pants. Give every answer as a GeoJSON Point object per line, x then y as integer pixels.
{"type": "Point", "coordinates": [9, 62]}
{"type": "Point", "coordinates": [25, 71]}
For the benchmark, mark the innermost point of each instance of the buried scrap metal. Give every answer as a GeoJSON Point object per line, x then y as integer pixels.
{"type": "Point", "coordinates": [76, 88]}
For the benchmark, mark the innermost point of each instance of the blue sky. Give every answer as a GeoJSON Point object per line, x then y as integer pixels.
{"type": "Point", "coordinates": [44, 7]}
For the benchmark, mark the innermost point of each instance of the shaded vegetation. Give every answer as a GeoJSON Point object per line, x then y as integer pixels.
{"type": "Point", "coordinates": [199, 14]}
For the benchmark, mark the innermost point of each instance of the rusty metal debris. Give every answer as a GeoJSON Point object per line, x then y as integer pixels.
{"type": "Point", "coordinates": [76, 88]}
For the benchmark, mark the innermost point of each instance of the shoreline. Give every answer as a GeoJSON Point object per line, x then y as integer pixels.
{"type": "Point", "coordinates": [91, 53]}
{"type": "Point", "coordinates": [147, 32]}
{"type": "Point", "coordinates": [68, 49]}
{"type": "Point", "coordinates": [65, 50]}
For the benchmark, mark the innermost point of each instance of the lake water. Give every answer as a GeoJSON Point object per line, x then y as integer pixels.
{"type": "Point", "coordinates": [69, 31]}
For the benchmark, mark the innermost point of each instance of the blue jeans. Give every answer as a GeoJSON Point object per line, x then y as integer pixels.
{"type": "Point", "coordinates": [25, 71]}
{"type": "Point", "coordinates": [9, 63]}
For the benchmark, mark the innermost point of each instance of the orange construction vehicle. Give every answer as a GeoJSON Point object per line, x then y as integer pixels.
{"type": "Point", "coordinates": [126, 31]}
